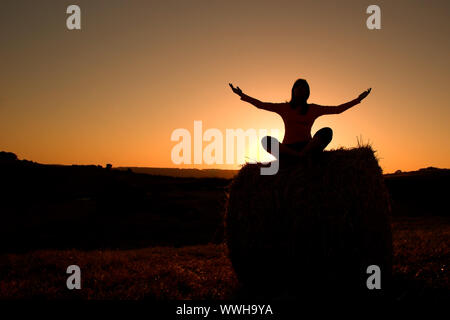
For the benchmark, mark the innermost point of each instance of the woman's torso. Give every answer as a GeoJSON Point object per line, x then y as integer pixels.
{"type": "Point", "coordinates": [297, 126]}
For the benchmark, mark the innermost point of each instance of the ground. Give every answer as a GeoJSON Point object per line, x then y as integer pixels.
{"type": "Point", "coordinates": [421, 268]}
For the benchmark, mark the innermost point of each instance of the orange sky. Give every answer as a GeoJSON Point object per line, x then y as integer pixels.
{"type": "Point", "coordinates": [114, 91]}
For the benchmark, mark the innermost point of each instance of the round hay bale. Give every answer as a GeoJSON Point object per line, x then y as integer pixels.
{"type": "Point", "coordinates": [314, 227]}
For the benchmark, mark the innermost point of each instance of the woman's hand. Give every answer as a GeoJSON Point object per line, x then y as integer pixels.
{"type": "Point", "coordinates": [236, 90]}
{"type": "Point", "coordinates": [364, 94]}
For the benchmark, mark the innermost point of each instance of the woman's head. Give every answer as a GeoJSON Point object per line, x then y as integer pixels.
{"type": "Point", "coordinates": [300, 94]}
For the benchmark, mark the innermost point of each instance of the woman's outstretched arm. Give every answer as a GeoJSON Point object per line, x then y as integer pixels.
{"type": "Point", "coordinates": [341, 108]}
{"type": "Point", "coordinates": [259, 104]}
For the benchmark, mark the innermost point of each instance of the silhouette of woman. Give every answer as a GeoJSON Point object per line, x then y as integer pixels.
{"type": "Point", "coordinates": [298, 117]}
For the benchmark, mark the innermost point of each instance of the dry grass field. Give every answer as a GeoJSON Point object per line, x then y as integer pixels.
{"type": "Point", "coordinates": [421, 269]}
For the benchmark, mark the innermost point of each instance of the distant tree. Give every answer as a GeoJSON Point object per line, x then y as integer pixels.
{"type": "Point", "coordinates": [7, 156]}
{"type": "Point", "coordinates": [398, 171]}
{"type": "Point", "coordinates": [428, 169]}
{"type": "Point", "coordinates": [108, 166]}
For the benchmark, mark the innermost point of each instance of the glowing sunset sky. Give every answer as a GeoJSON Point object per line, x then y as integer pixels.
{"type": "Point", "coordinates": [115, 91]}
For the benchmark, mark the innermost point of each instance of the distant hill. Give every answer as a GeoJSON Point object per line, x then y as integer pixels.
{"type": "Point", "coordinates": [184, 173]}
{"type": "Point", "coordinates": [9, 157]}
{"type": "Point", "coordinates": [229, 174]}
{"type": "Point", "coordinates": [92, 206]}
{"type": "Point", "coordinates": [423, 171]}
{"type": "Point", "coordinates": [419, 193]}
